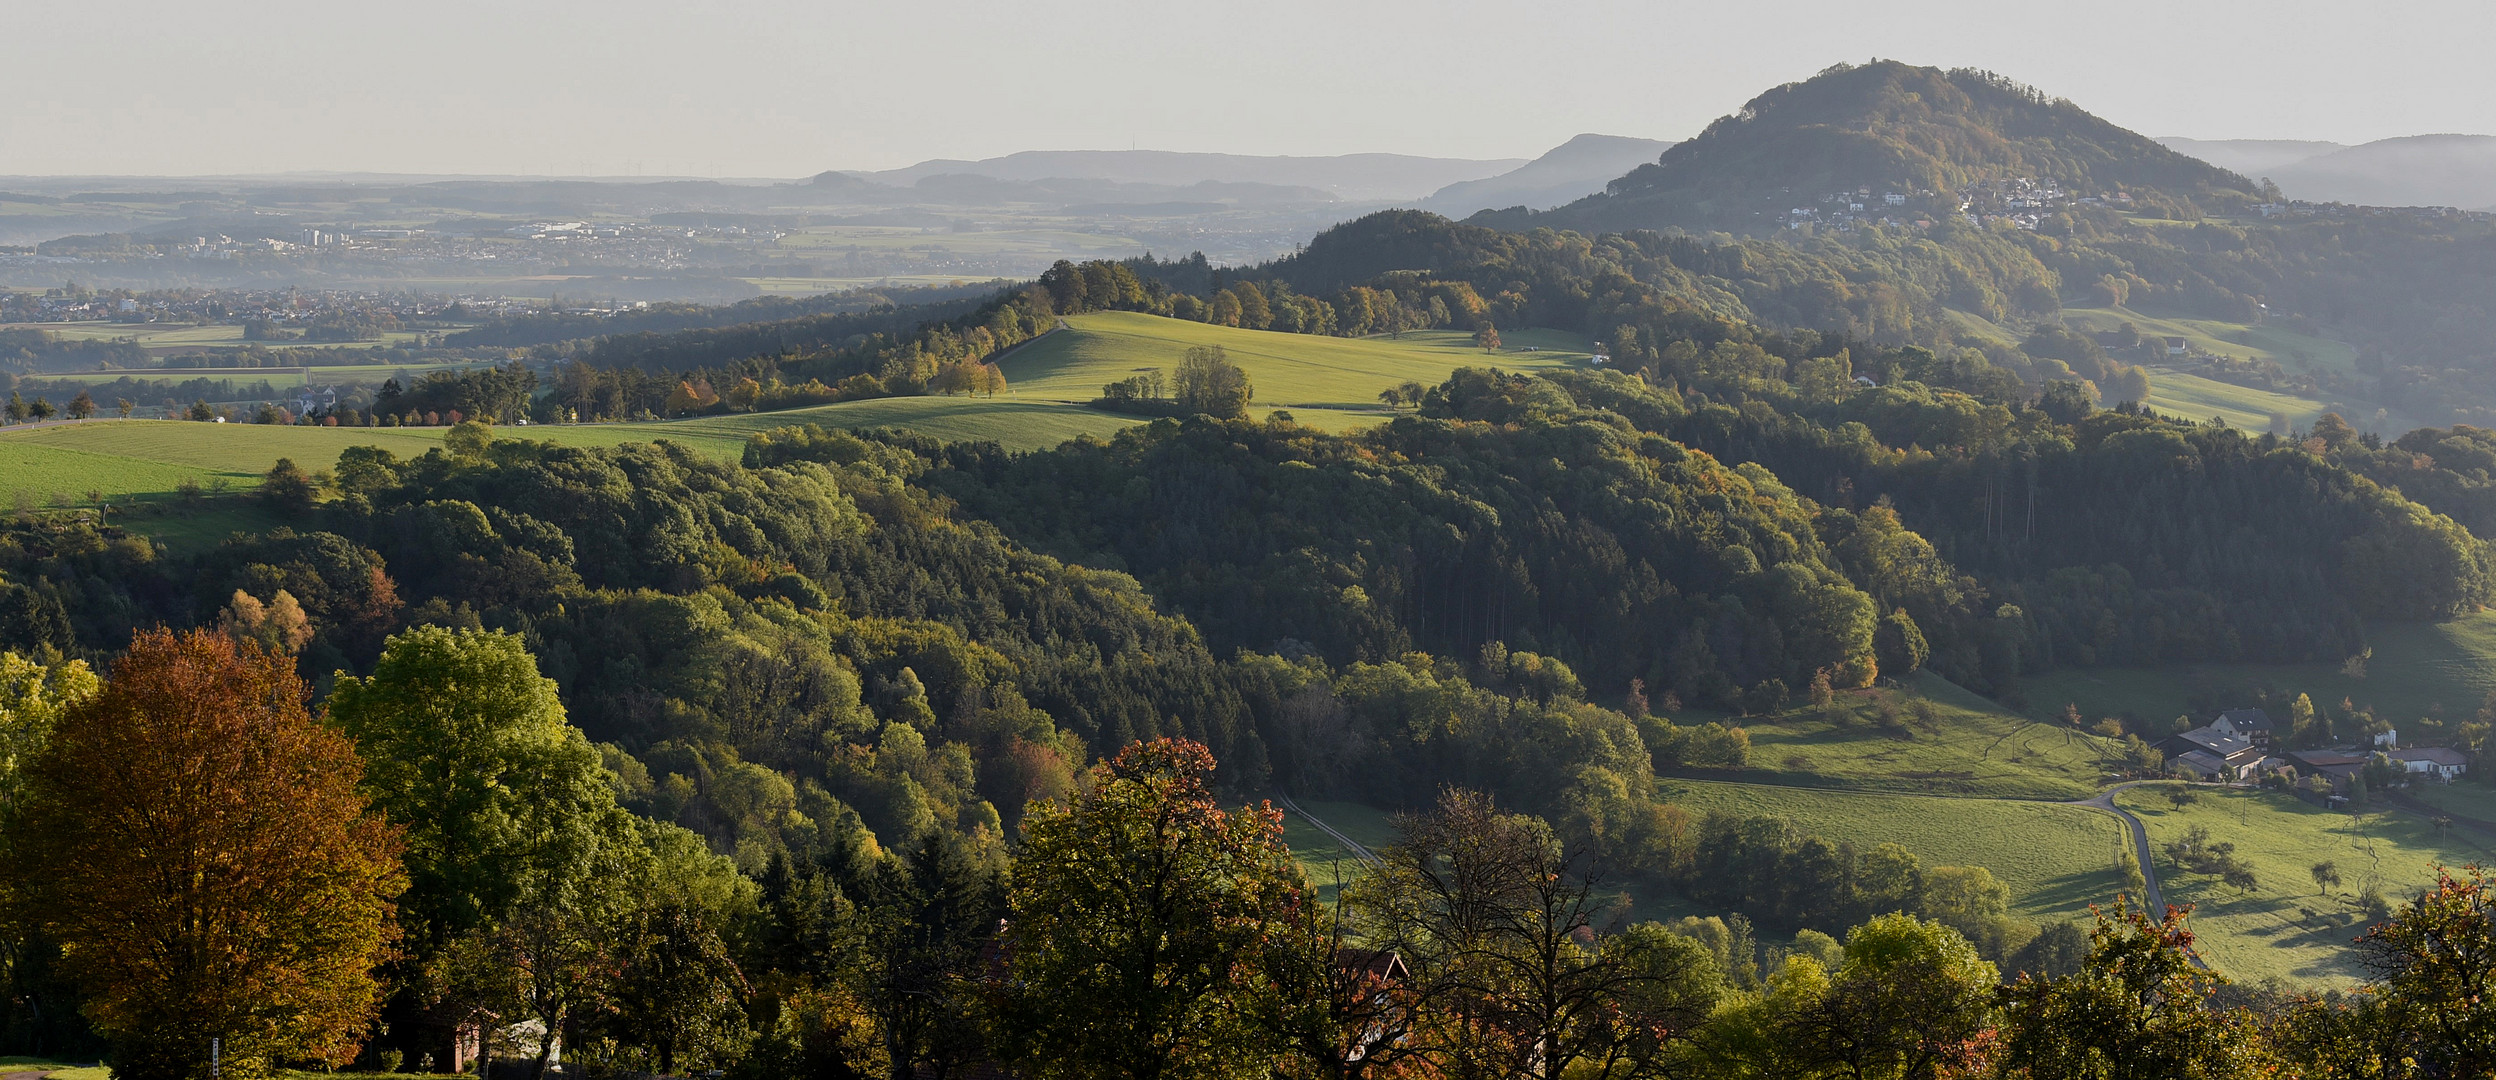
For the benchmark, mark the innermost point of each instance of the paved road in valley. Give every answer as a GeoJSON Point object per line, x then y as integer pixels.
{"type": "Point", "coordinates": [2105, 800]}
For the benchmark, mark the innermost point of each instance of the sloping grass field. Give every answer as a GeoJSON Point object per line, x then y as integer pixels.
{"type": "Point", "coordinates": [2191, 397]}
{"type": "Point", "coordinates": [1324, 859]}
{"type": "Point", "coordinates": [2055, 859]}
{"type": "Point", "coordinates": [127, 459]}
{"type": "Point", "coordinates": [2418, 669]}
{"type": "Point", "coordinates": [2261, 341]}
{"type": "Point", "coordinates": [2287, 927]}
{"type": "Point", "coordinates": [1328, 383]}
{"type": "Point", "coordinates": [1930, 737]}
{"type": "Point", "coordinates": [1290, 371]}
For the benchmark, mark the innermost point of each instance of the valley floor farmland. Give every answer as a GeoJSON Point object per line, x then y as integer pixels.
{"type": "Point", "coordinates": [2055, 859]}
{"type": "Point", "coordinates": [2287, 926]}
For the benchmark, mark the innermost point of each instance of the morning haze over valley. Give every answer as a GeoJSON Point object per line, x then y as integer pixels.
{"type": "Point", "coordinates": [1473, 542]}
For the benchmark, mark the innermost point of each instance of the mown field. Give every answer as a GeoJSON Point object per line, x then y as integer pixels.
{"type": "Point", "coordinates": [2260, 341]}
{"type": "Point", "coordinates": [2174, 393]}
{"type": "Point", "coordinates": [125, 459]}
{"type": "Point", "coordinates": [2287, 927]}
{"type": "Point", "coordinates": [2055, 859]}
{"type": "Point", "coordinates": [1930, 737]}
{"type": "Point", "coordinates": [1328, 383]}
{"type": "Point", "coordinates": [1291, 371]}
{"type": "Point", "coordinates": [2418, 669]}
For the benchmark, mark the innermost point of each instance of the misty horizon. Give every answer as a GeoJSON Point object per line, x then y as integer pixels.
{"type": "Point", "coordinates": [775, 90]}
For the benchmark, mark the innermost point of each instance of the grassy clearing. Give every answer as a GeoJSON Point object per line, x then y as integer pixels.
{"type": "Point", "coordinates": [1928, 737]}
{"type": "Point", "coordinates": [2056, 860]}
{"type": "Point", "coordinates": [2174, 393]}
{"type": "Point", "coordinates": [188, 529]}
{"type": "Point", "coordinates": [1324, 859]}
{"type": "Point", "coordinates": [2419, 669]}
{"type": "Point", "coordinates": [1290, 371]}
{"type": "Point", "coordinates": [2286, 928]}
{"type": "Point", "coordinates": [144, 459]}
{"type": "Point", "coordinates": [1018, 424]}
{"type": "Point", "coordinates": [1328, 383]}
{"type": "Point", "coordinates": [2260, 341]}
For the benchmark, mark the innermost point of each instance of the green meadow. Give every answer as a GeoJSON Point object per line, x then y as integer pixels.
{"type": "Point", "coordinates": [1328, 383]}
{"type": "Point", "coordinates": [2418, 669]}
{"type": "Point", "coordinates": [2174, 393]}
{"type": "Point", "coordinates": [1324, 859]}
{"type": "Point", "coordinates": [1291, 371]}
{"type": "Point", "coordinates": [2260, 341]}
{"type": "Point", "coordinates": [1927, 737]}
{"type": "Point", "coordinates": [2056, 860]}
{"type": "Point", "coordinates": [2287, 927]}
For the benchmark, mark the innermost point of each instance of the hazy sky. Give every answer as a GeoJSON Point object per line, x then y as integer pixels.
{"type": "Point", "coordinates": [791, 87]}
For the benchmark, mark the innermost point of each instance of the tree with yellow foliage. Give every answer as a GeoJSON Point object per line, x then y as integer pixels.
{"type": "Point", "coordinates": [197, 845]}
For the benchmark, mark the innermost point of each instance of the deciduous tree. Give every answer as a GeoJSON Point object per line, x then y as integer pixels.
{"type": "Point", "coordinates": [1139, 913]}
{"type": "Point", "coordinates": [198, 845]}
{"type": "Point", "coordinates": [2139, 1009]}
{"type": "Point", "coordinates": [2436, 959]}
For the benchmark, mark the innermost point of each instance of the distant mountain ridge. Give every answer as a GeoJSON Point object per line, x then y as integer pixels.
{"type": "Point", "coordinates": [1885, 126]}
{"type": "Point", "coordinates": [2251, 157]}
{"type": "Point", "coordinates": [1354, 177]}
{"type": "Point", "coordinates": [2416, 170]}
{"type": "Point", "coordinates": [1570, 171]}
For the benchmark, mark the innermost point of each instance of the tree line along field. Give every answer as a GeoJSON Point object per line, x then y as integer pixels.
{"type": "Point", "coordinates": [1329, 383]}
{"type": "Point", "coordinates": [2055, 859]}
{"type": "Point", "coordinates": [1291, 371]}
{"type": "Point", "coordinates": [1923, 736]}
{"type": "Point", "coordinates": [2443, 669]}
{"type": "Point", "coordinates": [279, 378]}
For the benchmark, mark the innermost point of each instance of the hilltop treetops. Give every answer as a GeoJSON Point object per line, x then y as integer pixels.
{"type": "Point", "coordinates": [1140, 928]}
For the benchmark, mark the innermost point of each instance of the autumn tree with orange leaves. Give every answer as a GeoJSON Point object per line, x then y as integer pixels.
{"type": "Point", "coordinates": [1141, 915]}
{"type": "Point", "coordinates": [196, 843]}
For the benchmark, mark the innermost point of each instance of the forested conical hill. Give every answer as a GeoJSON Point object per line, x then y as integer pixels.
{"type": "Point", "coordinates": [1890, 127]}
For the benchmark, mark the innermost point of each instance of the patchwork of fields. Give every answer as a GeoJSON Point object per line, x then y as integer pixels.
{"type": "Point", "coordinates": [1329, 383]}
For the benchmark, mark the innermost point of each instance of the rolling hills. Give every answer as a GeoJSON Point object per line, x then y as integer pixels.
{"type": "Point", "coordinates": [1569, 171]}
{"type": "Point", "coordinates": [1330, 383]}
{"type": "Point", "coordinates": [1346, 176]}
{"type": "Point", "coordinates": [2418, 170]}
